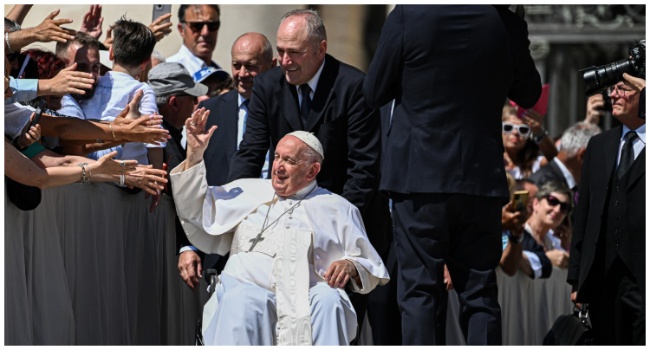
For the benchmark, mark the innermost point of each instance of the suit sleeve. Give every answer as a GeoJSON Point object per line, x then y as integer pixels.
{"type": "Point", "coordinates": [364, 147]}
{"type": "Point", "coordinates": [580, 221]}
{"type": "Point", "coordinates": [249, 159]}
{"type": "Point", "coordinates": [541, 177]}
{"type": "Point", "coordinates": [383, 79]}
{"type": "Point", "coordinates": [527, 87]}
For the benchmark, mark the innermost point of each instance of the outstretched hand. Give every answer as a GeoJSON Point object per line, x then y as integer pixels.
{"type": "Point", "coordinates": [160, 27]}
{"type": "Point", "coordinates": [134, 105]}
{"type": "Point", "coordinates": [148, 178]}
{"type": "Point", "coordinates": [108, 166]}
{"type": "Point", "coordinates": [92, 22]}
{"type": "Point", "coordinates": [50, 29]}
{"type": "Point", "coordinates": [68, 81]}
{"type": "Point", "coordinates": [197, 136]}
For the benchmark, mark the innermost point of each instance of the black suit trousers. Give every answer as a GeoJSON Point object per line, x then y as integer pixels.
{"type": "Point", "coordinates": [617, 311]}
{"type": "Point", "coordinates": [463, 231]}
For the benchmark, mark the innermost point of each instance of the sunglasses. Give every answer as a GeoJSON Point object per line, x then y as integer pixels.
{"type": "Point", "coordinates": [198, 26]}
{"type": "Point", "coordinates": [522, 129]}
{"type": "Point", "coordinates": [554, 202]}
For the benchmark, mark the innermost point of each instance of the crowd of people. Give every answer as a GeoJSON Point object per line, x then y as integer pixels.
{"type": "Point", "coordinates": [311, 196]}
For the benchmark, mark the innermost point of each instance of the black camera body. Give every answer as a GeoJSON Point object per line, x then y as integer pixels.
{"type": "Point", "coordinates": [597, 79]}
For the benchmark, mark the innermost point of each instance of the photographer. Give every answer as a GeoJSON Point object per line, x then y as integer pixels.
{"type": "Point", "coordinates": [607, 260]}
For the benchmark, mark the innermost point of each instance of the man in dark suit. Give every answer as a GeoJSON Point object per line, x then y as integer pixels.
{"type": "Point", "coordinates": [315, 92]}
{"type": "Point", "coordinates": [607, 261]}
{"type": "Point", "coordinates": [566, 167]}
{"type": "Point", "coordinates": [449, 69]}
{"type": "Point", "coordinates": [252, 54]}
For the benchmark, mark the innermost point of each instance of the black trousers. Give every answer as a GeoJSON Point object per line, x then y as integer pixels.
{"type": "Point", "coordinates": [383, 312]}
{"type": "Point", "coordinates": [464, 232]}
{"type": "Point", "coordinates": [617, 310]}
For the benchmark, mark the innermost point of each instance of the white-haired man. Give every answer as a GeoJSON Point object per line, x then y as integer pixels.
{"type": "Point", "coordinates": [293, 247]}
{"type": "Point", "coordinates": [566, 167]}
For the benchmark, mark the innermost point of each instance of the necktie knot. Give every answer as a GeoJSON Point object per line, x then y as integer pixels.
{"type": "Point", "coordinates": [305, 90]}
{"type": "Point", "coordinates": [630, 137]}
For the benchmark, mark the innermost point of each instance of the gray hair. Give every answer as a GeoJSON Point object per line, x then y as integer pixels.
{"type": "Point", "coordinates": [554, 186]}
{"type": "Point", "coordinates": [311, 155]}
{"type": "Point", "coordinates": [577, 137]}
{"type": "Point", "coordinates": [162, 100]}
{"type": "Point", "coordinates": [157, 55]}
{"type": "Point", "coordinates": [315, 27]}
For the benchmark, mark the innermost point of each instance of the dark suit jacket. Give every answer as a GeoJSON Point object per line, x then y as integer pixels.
{"type": "Point", "coordinates": [598, 168]}
{"type": "Point", "coordinates": [224, 112]}
{"type": "Point", "coordinates": [450, 69]}
{"type": "Point", "coordinates": [549, 172]}
{"type": "Point", "coordinates": [339, 117]}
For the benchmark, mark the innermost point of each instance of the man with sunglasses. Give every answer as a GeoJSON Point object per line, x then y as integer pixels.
{"type": "Point", "coordinates": [198, 25]}
{"type": "Point", "coordinates": [607, 263]}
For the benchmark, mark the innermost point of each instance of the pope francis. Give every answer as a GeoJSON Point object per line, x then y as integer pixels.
{"type": "Point", "coordinates": [293, 247]}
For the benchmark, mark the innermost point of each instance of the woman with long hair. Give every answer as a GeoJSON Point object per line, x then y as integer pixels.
{"type": "Point", "coordinates": [525, 143]}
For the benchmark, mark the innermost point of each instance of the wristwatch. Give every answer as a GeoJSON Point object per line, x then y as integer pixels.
{"type": "Point", "coordinates": [514, 239]}
{"type": "Point", "coordinates": [539, 137]}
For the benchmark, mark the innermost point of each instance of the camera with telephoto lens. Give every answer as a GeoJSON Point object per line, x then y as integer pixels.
{"type": "Point", "coordinates": [598, 79]}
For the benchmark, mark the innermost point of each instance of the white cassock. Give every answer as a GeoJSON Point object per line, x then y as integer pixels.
{"type": "Point", "coordinates": [275, 293]}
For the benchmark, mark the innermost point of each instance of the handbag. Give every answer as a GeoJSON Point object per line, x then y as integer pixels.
{"type": "Point", "coordinates": [22, 196]}
{"type": "Point", "coordinates": [571, 329]}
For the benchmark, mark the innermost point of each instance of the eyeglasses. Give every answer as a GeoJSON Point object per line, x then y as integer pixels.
{"type": "Point", "coordinates": [554, 202]}
{"type": "Point", "coordinates": [522, 129]}
{"type": "Point", "coordinates": [286, 160]}
{"type": "Point", "coordinates": [198, 26]}
{"type": "Point", "coordinates": [621, 90]}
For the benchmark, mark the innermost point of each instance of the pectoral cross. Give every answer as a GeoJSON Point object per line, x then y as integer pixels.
{"type": "Point", "coordinates": [255, 240]}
